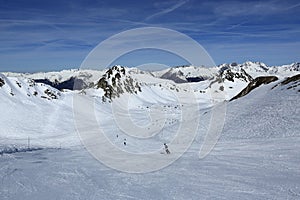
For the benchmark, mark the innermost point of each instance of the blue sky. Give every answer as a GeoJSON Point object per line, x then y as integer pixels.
{"type": "Point", "coordinates": [53, 35]}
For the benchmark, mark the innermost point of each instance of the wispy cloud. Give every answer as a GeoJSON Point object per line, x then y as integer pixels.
{"type": "Point", "coordinates": [293, 6]}
{"type": "Point", "coordinates": [167, 10]}
{"type": "Point", "coordinates": [253, 8]}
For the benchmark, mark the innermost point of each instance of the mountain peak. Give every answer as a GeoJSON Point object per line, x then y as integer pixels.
{"type": "Point", "coordinates": [117, 81]}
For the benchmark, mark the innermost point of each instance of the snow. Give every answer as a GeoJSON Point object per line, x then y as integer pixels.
{"type": "Point", "coordinates": [251, 169]}
{"type": "Point", "coordinates": [24, 114]}
{"type": "Point", "coordinates": [255, 158]}
{"type": "Point", "coordinates": [87, 75]}
{"type": "Point", "coordinates": [276, 108]}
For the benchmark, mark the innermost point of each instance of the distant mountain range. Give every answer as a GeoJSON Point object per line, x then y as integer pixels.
{"type": "Point", "coordinates": [39, 105]}
{"type": "Point", "coordinates": [118, 79]}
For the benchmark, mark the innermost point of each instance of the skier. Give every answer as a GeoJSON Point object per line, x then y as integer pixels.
{"type": "Point", "coordinates": [166, 148]}
{"type": "Point", "coordinates": [125, 142]}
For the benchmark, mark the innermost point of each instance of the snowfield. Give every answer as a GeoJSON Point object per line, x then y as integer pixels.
{"type": "Point", "coordinates": [256, 156]}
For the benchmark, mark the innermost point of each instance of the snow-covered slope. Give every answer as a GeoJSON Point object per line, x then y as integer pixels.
{"type": "Point", "coordinates": [34, 110]}
{"type": "Point", "coordinates": [255, 158]}
{"type": "Point", "coordinates": [86, 75]}
{"type": "Point", "coordinates": [24, 89]}
{"type": "Point", "coordinates": [269, 111]}
{"type": "Point", "coordinates": [37, 109]}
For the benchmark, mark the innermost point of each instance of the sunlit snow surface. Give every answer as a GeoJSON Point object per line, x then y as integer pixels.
{"type": "Point", "coordinates": [248, 169]}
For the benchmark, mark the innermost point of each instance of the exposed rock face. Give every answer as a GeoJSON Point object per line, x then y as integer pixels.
{"type": "Point", "coordinates": [254, 84]}
{"type": "Point", "coordinates": [295, 67]}
{"type": "Point", "coordinates": [116, 82]}
{"type": "Point", "coordinates": [50, 94]}
{"type": "Point", "coordinates": [229, 74]}
{"type": "Point", "coordinates": [2, 82]}
{"type": "Point", "coordinates": [294, 82]}
{"type": "Point", "coordinates": [295, 78]}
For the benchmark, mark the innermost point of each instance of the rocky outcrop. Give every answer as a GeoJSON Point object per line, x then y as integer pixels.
{"type": "Point", "coordinates": [295, 67]}
{"type": "Point", "coordinates": [51, 94]}
{"type": "Point", "coordinates": [229, 74]}
{"type": "Point", "coordinates": [288, 80]}
{"type": "Point", "coordinates": [293, 82]}
{"type": "Point", "coordinates": [116, 82]}
{"type": "Point", "coordinates": [2, 82]}
{"type": "Point", "coordinates": [254, 84]}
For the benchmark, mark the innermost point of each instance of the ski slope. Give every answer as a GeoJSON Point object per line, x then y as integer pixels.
{"type": "Point", "coordinates": [250, 169]}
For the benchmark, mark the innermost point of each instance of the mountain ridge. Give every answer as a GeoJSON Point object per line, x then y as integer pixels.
{"type": "Point", "coordinates": [230, 79]}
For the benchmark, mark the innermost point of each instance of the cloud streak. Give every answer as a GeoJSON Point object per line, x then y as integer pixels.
{"type": "Point", "coordinates": [167, 10]}
{"type": "Point", "coordinates": [252, 8]}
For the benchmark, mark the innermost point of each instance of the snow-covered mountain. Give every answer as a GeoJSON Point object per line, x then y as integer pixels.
{"type": "Point", "coordinates": [147, 89]}
{"type": "Point", "coordinates": [116, 81]}
{"type": "Point", "coordinates": [183, 74]}
{"type": "Point", "coordinates": [180, 74]}
{"type": "Point", "coordinates": [232, 80]}
{"type": "Point", "coordinates": [25, 89]}
{"type": "Point", "coordinates": [61, 76]}
{"type": "Point", "coordinates": [255, 157]}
